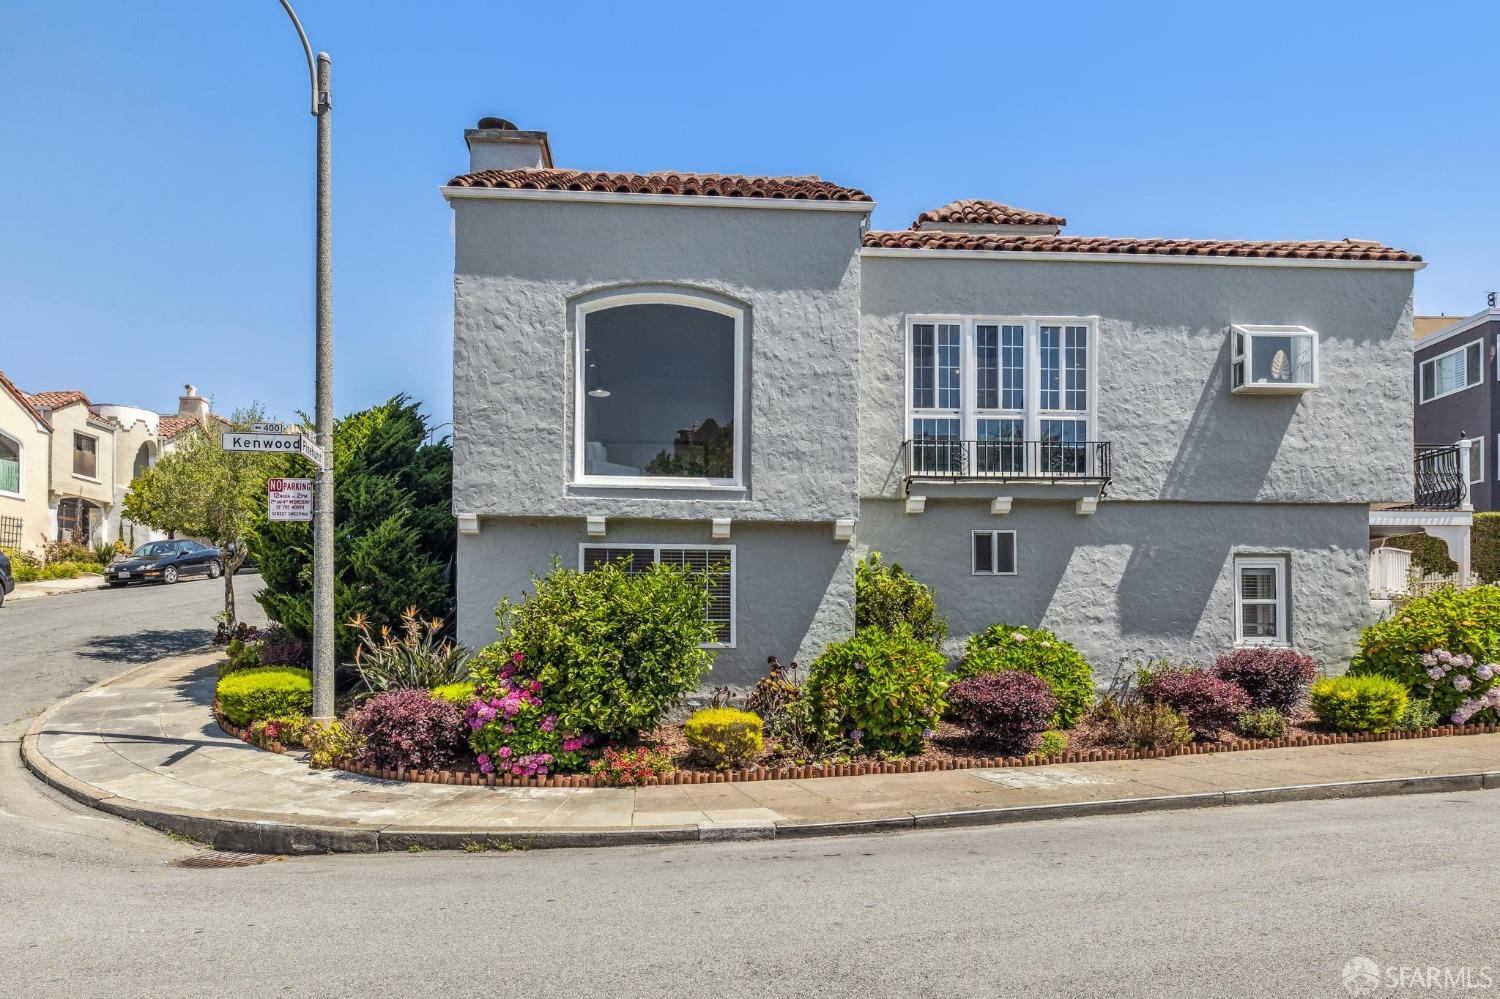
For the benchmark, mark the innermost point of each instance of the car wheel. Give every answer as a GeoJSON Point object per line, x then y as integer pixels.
{"type": "Point", "coordinates": [214, 570]}
{"type": "Point", "coordinates": [169, 574]}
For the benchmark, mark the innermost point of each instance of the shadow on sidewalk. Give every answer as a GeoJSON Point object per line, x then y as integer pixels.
{"type": "Point", "coordinates": [146, 646]}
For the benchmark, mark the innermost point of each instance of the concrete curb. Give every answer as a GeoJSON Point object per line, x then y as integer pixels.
{"type": "Point", "coordinates": [279, 836]}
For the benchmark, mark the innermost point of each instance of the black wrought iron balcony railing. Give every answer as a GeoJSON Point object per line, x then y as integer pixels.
{"type": "Point", "coordinates": [1007, 461]}
{"type": "Point", "coordinates": [1441, 482]}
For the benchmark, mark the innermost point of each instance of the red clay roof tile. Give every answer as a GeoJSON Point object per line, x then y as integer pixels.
{"type": "Point", "coordinates": [715, 185]}
{"type": "Point", "coordinates": [1345, 249]}
{"type": "Point", "coordinates": [24, 399]}
{"type": "Point", "coordinates": [59, 398]}
{"type": "Point", "coordinates": [978, 211]}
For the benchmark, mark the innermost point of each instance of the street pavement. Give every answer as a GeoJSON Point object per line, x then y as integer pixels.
{"type": "Point", "coordinates": [1262, 900]}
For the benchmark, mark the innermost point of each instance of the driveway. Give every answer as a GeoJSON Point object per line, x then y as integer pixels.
{"type": "Point", "coordinates": [54, 646]}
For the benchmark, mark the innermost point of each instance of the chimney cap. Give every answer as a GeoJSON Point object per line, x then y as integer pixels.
{"type": "Point", "coordinates": [489, 121]}
{"type": "Point", "coordinates": [190, 391]}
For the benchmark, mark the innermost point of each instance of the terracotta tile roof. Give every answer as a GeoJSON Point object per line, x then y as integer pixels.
{"type": "Point", "coordinates": [1344, 249]}
{"type": "Point", "coordinates": [977, 211]}
{"type": "Point", "coordinates": [715, 185]}
{"type": "Point", "coordinates": [170, 426]}
{"type": "Point", "coordinates": [59, 399]}
{"type": "Point", "coordinates": [25, 400]}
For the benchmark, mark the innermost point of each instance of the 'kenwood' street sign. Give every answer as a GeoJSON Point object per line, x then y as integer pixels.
{"type": "Point", "coordinates": [289, 499]}
{"type": "Point", "coordinates": [275, 443]}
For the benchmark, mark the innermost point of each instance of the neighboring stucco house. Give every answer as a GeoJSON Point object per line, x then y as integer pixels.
{"type": "Point", "coordinates": [1159, 448]}
{"type": "Point", "coordinates": [1458, 396]}
{"type": "Point", "coordinates": [25, 440]}
{"type": "Point", "coordinates": [75, 460]}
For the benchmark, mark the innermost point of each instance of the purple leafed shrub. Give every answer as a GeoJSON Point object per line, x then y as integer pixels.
{"type": "Point", "coordinates": [1209, 704]}
{"type": "Point", "coordinates": [1274, 678]}
{"type": "Point", "coordinates": [1009, 707]}
{"type": "Point", "coordinates": [408, 728]}
{"type": "Point", "coordinates": [278, 646]}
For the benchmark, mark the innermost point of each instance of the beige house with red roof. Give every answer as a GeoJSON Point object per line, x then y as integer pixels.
{"type": "Point", "coordinates": [1157, 447]}
{"type": "Point", "coordinates": [66, 463]}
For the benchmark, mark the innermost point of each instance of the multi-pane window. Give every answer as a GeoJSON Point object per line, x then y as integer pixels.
{"type": "Point", "coordinates": [1260, 601]}
{"type": "Point", "coordinates": [10, 465]}
{"type": "Point", "coordinates": [1000, 397]}
{"type": "Point", "coordinates": [715, 560]}
{"type": "Point", "coordinates": [1452, 372]}
{"type": "Point", "coordinates": [994, 553]}
{"type": "Point", "coordinates": [85, 457]}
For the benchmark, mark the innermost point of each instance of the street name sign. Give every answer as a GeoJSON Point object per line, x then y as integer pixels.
{"type": "Point", "coordinates": [275, 428]}
{"type": "Point", "coordinates": [289, 499]}
{"type": "Point", "coordinates": [232, 440]}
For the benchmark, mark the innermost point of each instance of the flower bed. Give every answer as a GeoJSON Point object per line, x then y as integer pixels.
{"type": "Point", "coordinates": [933, 761]}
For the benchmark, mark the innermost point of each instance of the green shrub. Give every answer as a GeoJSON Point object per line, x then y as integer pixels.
{"type": "Point", "coordinates": [24, 572]}
{"type": "Point", "coordinates": [1460, 622]}
{"type": "Point", "coordinates": [886, 596]}
{"type": "Point", "coordinates": [1053, 743]}
{"type": "Point", "coordinates": [460, 693]}
{"type": "Point", "coordinates": [265, 692]}
{"type": "Point", "coordinates": [330, 743]}
{"type": "Point", "coordinates": [1484, 547]}
{"type": "Point", "coordinates": [724, 737]}
{"type": "Point", "coordinates": [631, 767]}
{"type": "Point", "coordinates": [613, 650]}
{"type": "Point", "coordinates": [240, 654]}
{"type": "Point", "coordinates": [1358, 703]}
{"type": "Point", "coordinates": [1041, 653]}
{"type": "Point", "coordinates": [879, 689]}
{"type": "Point", "coordinates": [1132, 722]}
{"type": "Point", "coordinates": [1419, 714]}
{"type": "Point", "coordinates": [1262, 723]}
{"type": "Point", "coordinates": [1428, 554]}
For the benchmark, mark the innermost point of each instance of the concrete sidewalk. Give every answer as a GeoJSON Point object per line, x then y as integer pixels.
{"type": "Point", "coordinates": [52, 587]}
{"type": "Point", "coordinates": [145, 747]}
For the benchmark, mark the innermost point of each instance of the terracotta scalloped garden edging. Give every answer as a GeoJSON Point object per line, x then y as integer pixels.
{"type": "Point", "coordinates": [470, 778]}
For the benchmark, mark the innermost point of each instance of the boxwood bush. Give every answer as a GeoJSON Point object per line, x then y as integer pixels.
{"type": "Point", "coordinates": [263, 692]}
{"type": "Point", "coordinates": [1460, 622]}
{"type": "Point", "coordinates": [880, 689]}
{"type": "Point", "coordinates": [1041, 653]}
{"type": "Point", "coordinates": [724, 737]}
{"type": "Point", "coordinates": [614, 650]}
{"type": "Point", "coordinates": [1358, 703]}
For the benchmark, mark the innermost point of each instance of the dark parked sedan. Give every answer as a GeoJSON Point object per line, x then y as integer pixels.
{"type": "Point", "coordinates": [7, 581]}
{"type": "Point", "coordinates": [166, 562]}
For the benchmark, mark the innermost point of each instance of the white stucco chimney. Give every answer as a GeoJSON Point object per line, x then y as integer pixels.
{"type": "Point", "coordinates": [498, 145]}
{"type": "Point", "coordinates": [192, 405]}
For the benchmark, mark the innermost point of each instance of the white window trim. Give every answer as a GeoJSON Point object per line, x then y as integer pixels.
{"type": "Point", "coordinates": [1015, 552]}
{"type": "Point", "coordinates": [1282, 567]}
{"type": "Point", "coordinates": [1477, 447]}
{"type": "Point", "coordinates": [20, 492]}
{"type": "Point", "coordinates": [656, 550]}
{"type": "Point", "coordinates": [1422, 368]}
{"type": "Point", "coordinates": [1031, 414]}
{"type": "Point", "coordinates": [1250, 332]}
{"type": "Point", "coordinates": [581, 313]}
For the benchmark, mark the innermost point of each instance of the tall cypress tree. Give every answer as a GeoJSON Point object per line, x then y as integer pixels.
{"type": "Point", "coordinates": [394, 536]}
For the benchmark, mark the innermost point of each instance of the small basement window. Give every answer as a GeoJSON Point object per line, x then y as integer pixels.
{"type": "Point", "coordinates": [1274, 360]}
{"type": "Point", "coordinates": [994, 553]}
{"type": "Point", "coordinates": [718, 560]}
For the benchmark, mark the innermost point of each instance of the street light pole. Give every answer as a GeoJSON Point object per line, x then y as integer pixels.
{"type": "Point", "coordinates": [319, 69]}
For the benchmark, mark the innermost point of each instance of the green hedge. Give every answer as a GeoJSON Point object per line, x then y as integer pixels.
{"type": "Point", "coordinates": [1484, 547]}
{"type": "Point", "coordinates": [251, 695]}
{"type": "Point", "coordinates": [1466, 621]}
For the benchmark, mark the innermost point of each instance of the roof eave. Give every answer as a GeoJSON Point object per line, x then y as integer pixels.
{"type": "Point", "coordinates": [453, 192]}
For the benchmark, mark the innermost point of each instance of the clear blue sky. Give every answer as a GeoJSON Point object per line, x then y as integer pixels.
{"type": "Point", "coordinates": [156, 175]}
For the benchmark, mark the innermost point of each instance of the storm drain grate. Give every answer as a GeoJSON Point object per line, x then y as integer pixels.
{"type": "Point", "coordinates": [225, 859]}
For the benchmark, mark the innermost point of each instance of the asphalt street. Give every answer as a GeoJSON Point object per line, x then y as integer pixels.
{"type": "Point", "coordinates": [1271, 900]}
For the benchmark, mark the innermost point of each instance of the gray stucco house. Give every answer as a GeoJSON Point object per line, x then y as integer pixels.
{"type": "Point", "coordinates": [1158, 448]}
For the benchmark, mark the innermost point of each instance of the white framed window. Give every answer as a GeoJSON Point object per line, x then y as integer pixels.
{"type": "Point", "coordinates": [10, 465]}
{"type": "Point", "coordinates": [1001, 395]}
{"type": "Point", "coordinates": [1273, 359]}
{"type": "Point", "coordinates": [85, 456]}
{"type": "Point", "coordinates": [1476, 461]}
{"type": "Point", "coordinates": [1454, 371]}
{"type": "Point", "coordinates": [993, 553]}
{"type": "Point", "coordinates": [716, 559]}
{"type": "Point", "coordinates": [1260, 600]}
{"type": "Point", "coordinates": [659, 392]}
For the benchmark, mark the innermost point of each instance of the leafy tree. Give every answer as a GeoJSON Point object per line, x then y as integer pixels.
{"type": "Point", "coordinates": [201, 490]}
{"type": "Point", "coordinates": [394, 533]}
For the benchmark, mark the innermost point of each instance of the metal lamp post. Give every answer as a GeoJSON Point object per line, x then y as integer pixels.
{"type": "Point", "coordinates": [318, 69]}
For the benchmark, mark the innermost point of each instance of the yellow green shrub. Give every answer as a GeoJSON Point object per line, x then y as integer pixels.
{"type": "Point", "coordinates": [725, 737]}
{"type": "Point", "coordinates": [1358, 703]}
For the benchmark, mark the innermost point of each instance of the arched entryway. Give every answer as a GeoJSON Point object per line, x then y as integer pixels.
{"type": "Point", "coordinates": [79, 520]}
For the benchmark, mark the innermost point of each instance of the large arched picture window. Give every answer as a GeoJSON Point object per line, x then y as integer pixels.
{"type": "Point", "coordinates": [658, 392]}
{"type": "Point", "coordinates": [10, 465]}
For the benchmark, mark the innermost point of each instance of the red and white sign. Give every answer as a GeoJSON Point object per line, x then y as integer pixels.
{"type": "Point", "coordinates": [290, 499]}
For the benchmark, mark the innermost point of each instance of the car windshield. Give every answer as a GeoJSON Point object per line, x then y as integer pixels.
{"type": "Point", "coordinates": [156, 548]}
